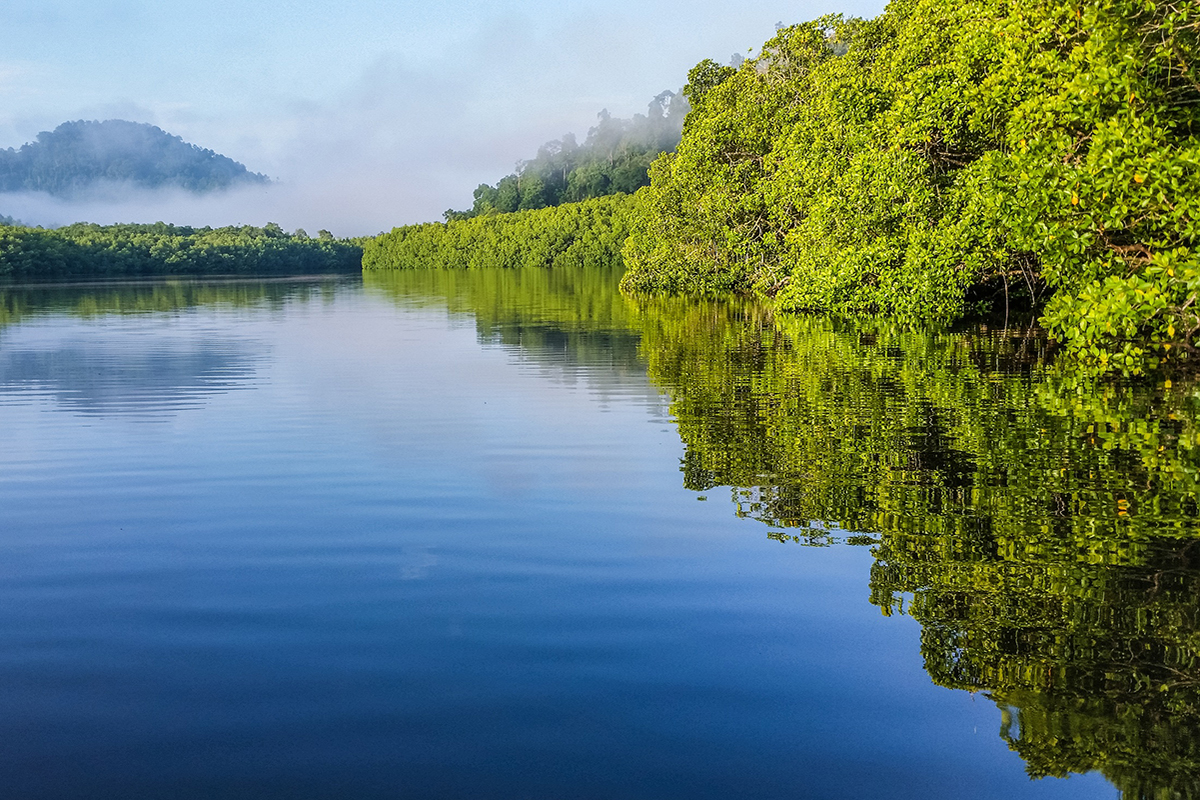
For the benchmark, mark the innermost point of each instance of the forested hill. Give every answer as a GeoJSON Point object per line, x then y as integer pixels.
{"type": "Point", "coordinates": [78, 155]}
{"type": "Point", "coordinates": [614, 159]}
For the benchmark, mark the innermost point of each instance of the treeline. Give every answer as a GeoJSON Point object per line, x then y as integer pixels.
{"type": "Point", "coordinates": [160, 249]}
{"type": "Point", "coordinates": [584, 234]}
{"type": "Point", "coordinates": [78, 155]}
{"type": "Point", "coordinates": [944, 156]}
{"type": "Point", "coordinates": [613, 159]}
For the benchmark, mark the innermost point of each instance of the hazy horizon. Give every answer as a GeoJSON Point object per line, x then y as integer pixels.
{"type": "Point", "coordinates": [378, 115]}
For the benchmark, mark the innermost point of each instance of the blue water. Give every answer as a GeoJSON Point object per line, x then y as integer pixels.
{"type": "Point", "coordinates": [325, 544]}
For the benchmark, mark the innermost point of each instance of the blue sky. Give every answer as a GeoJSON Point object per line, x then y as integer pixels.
{"type": "Point", "coordinates": [369, 113]}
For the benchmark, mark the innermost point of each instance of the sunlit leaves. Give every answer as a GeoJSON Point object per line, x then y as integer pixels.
{"type": "Point", "coordinates": [584, 234]}
{"type": "Point", "coordinates": [947, 150]}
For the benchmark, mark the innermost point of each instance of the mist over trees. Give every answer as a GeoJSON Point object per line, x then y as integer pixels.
{"type": "Point", "coordinates": [77, 156]}
{"type": "Point", "coordinates": [614, 159]}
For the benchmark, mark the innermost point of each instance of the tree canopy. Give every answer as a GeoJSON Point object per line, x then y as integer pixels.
{"type": "Point", "coordinates": [946, 156]}
{"type": "Point", "coordinates": [90, 250]}
{"type": "Point", "coordinates": [588, 233]}
{"type": "Point", "coordinates": [613, 159]}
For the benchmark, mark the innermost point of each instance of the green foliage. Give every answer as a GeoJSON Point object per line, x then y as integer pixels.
{"type": "Point", "coordinates": [160, 249]}
{"type": "Point", "coordinates": [76, 155]}
{"type": "Point", "coordinates": [948, 156]}
{"type": "Point", "coordinates": [584, 234]}
{"type": "Point", "coordinates": [703, 78]}
{"type": "Point", "coordinates": [614, 159]}
{"type": "Point", "coordinates": [833, 171]}
{"type": "Point", "coordinates": [1101, 177]}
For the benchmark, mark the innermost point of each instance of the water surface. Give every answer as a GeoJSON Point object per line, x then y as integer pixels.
{"type": "Point", "coordinates": [511, 535]}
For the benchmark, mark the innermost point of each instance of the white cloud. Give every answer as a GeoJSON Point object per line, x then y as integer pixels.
{"type": "Point", "coordinates": [401, 130]}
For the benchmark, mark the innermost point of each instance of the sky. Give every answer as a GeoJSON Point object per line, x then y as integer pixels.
{"type": "Point", "coordinates": [369, 114]}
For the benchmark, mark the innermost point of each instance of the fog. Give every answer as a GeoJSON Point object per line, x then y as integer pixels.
{"type": "Point", "coordinates": [381, 115]}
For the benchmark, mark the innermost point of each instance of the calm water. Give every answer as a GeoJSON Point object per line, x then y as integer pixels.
{"type": "Point", "coordinates": [510, 535]}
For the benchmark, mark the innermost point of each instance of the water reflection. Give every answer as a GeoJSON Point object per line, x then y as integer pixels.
{"type": "Point", "coordinates": [1040, 527]}
{"type": "Point", "coordinates": [56, 343]}
{"type": "Point", "coordinates": [118, 372]}
{"type": "Point", "coordinates": [558, 317]}
{"type": "Point", "coordinates": [1043, 526]}
{"type": "Point", "coordinates": [19, 302]}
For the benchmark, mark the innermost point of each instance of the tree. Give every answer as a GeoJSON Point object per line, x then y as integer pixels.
{"type": "Point", "coordinates": [614, 158]}
{"type": "Point", "coordinates": [947, 158]}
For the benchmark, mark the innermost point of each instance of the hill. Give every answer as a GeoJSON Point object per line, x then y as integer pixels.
{"type": "Point", "coordinates": [79, 155]}
{"type": "Point", "coordinates": [613, 159]}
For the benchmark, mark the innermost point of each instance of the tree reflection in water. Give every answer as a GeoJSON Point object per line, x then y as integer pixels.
{"type": "Point", "coordinates": [1042, 528]}
{"type": "Point", "coordinates": [156, 369]}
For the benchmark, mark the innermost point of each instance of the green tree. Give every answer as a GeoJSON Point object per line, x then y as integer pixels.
{"type": "Point", "coordinates": [584, 234]}
{"type": "Point", "coordinates": [1100, 177]}
{"type": "Point", "coordinates": [613, 159]}
{"type": "Point", "coordinates": [116, 250]}
{"type": "Point", "coordinates": [943, 158]}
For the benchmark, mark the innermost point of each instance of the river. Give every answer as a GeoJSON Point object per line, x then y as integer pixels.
{"type": "Point", "coordinates": [511, 535]}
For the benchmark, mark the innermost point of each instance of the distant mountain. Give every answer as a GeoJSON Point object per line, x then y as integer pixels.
{"type": "Point", "coordinates": [9, 220]}
{"type": "Point", "coordinates": [79, 155]}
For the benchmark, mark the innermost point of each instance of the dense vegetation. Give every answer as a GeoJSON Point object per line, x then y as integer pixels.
{"type": "Point", "coordinates": [160, 249]}
{"type": "Point", "coordinates": [590, 233]}
{"type": "Point", "coordinates": [947, 154]}
{"type": "Point", "coordinates": [944, 159]}
{"type": "Point", "coordinates": [1041, 528]}
{"type": "Point", "coordinates": [613, 159]}
{"type": "Point", "coordinates": [78, 155]}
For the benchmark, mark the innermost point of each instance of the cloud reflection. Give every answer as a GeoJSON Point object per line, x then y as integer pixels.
{"type": "Point", "coordinates": [117, 371]}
